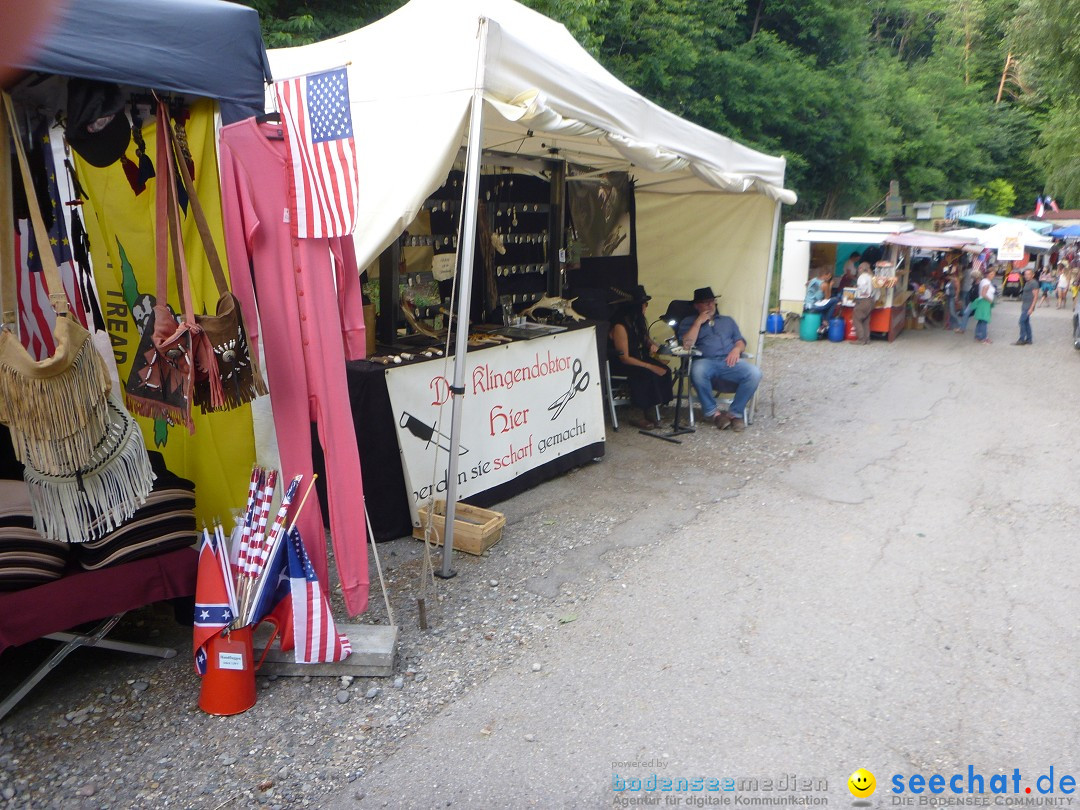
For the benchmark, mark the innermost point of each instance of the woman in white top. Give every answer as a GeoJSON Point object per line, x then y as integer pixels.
{"type": "Point", "coordinates": [1062, 287]}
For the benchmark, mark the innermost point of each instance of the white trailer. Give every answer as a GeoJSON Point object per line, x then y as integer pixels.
{"type": "Point", "coordinates": [825, 242]}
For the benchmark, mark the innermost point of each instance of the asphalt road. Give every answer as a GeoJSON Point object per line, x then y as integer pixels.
{"type": "Point", "coordinates": [883, 573]}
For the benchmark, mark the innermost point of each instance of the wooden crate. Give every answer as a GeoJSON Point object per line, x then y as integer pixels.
{"type": "Point", "coordinates": [475, 529]}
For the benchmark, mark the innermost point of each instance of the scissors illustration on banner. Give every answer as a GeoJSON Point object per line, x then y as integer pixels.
{"type": "Point", "coordinates": [428, 433]}
{"type": "Point", "coordinates": [580, 382]}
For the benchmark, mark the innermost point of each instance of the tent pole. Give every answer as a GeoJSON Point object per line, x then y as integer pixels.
{"type": "Point", "coordinates": [465, 269]}
{"type": "Point", "coordinates": [768, 289]}
{"type": "Point", "coordinates": [556, 228]}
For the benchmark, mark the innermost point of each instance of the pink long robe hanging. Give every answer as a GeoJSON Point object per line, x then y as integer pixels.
{"type": "Point", "coordinates": [312, 320]}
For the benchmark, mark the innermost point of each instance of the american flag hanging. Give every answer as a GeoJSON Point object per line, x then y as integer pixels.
{"type": "Point", "coordinates": [314, 630]}
{"type": "Point", "coordinates": [36, 316]}
{"type": "Point", "coordinates": [980, 261]}
{"type": "Point", "coordinates": [319, 140]}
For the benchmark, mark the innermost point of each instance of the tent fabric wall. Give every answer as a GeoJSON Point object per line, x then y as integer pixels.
{"type": "Point", "coordinates": [698, 240]}
{"type": "Point", "coordinates": [197, 47]}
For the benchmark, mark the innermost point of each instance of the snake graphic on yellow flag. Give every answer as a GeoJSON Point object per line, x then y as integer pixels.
{"type": "Point", "coordinates": [120, 223]}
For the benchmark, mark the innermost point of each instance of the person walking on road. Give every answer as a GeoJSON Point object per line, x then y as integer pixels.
{"type": "Point", "coordinates": [1029, 297]}
{"type": "Point", "coordinates": [980, 308]}
{"type": "Point", "coordinates": [952, 284]}
{"type": "Point", "coordinates": [1046, 284]}
{"type": "Point", "coordinates": [972, 295]}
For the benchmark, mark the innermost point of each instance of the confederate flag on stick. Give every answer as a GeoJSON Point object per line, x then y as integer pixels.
{"type": "Point", "coordinates": [214, 609]}
{"type": "Point", "coordinates": [319, 139]}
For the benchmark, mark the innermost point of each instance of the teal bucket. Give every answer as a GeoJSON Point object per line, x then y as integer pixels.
{"type": "Point", "coordinates": [774, 324]}
{"type": "Point", "coordinates": [809, 325]}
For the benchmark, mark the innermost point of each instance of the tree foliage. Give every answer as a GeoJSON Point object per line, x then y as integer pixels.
{"type": "Point", "coordinates": [853, 95]}
{"type": "Point", "coordinates": [996, 197]}
{"type": "Point", "coordinates": [1044, 36]}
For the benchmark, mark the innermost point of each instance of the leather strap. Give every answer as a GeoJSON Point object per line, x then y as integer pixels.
{"type": "Point", "coordinates": [57, 296]}
{"type": "Point", "coordinates": [171, 222]}
{"type": "Point", "coordinates": [161, 219]}
{"type": "Point", "coordinates": [200, 216]}
{"type": "Point", "coordinates": [8, 305]}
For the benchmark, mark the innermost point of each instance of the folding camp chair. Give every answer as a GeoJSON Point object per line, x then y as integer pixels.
{"type": "Point", "coordinates": [105, 595]}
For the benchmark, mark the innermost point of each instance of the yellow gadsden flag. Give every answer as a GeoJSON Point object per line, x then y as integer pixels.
{"type": "Point", "coordinates": [120, 224]}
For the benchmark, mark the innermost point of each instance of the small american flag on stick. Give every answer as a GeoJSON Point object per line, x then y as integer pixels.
{"type": "Point", "coordinates": [319, 140]}
{"type": "Point", "coordinates": [314, 629]}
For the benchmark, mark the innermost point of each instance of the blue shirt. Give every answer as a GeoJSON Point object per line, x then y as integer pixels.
{"type": "Point", "coordinates": [716, 340]}
{"type": "Point", "coordinates": [813, 293]}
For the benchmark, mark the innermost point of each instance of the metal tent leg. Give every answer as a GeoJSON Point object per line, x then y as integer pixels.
{"type": "Point", "coordinates": [71, 642]}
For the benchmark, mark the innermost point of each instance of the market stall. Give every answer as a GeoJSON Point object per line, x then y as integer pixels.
{"type": "Point", "coordinates": [706, 208]}
{"type": "Point", "coordinates": [199, 53]}
{"type": "Point", "coordinates": [826, 243]}
{"type": "Point", "coordinates": [88, 85]}
{"type": "Point", "coordinates": [921, 303]}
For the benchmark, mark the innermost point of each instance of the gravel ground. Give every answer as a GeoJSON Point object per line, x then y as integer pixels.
{"type": "Point", "coordinates": [119, 731]}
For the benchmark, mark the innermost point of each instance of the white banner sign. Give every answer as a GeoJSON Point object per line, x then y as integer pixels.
{"type": "Point", "coordinates": [1012, 247]}
{"type": "Point", "coordinates": [526, 403]}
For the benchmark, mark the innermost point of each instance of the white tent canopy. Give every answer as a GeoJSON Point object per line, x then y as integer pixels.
{"type": "Point", "coordinates": [994, 237]}
{"type": "Point", "coordinates": [706, 205]}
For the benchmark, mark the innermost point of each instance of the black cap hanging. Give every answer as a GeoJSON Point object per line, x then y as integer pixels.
{"type": "Point", "coordinates": [97, 126]}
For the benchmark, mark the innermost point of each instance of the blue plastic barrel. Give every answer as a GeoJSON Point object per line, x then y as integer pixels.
{"type": "Point", "coordinates": [774, 324]}
{"type": "Point", "coordinates": [837, 327]}
{"type": "Point", "coordinates": [809, 325]}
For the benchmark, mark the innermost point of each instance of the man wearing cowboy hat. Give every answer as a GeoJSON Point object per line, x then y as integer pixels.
{"type": "Point", "coordinates": [721, 344]}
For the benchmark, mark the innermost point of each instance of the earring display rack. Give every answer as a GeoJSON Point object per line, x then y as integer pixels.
{"type": "Point", "coordinates": [518, 211]}
{"type": "Point", "coordinates": [521, 220]}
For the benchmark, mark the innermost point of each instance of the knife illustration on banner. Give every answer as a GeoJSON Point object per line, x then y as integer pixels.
{"type": "Point", "coordinates": [428, 433]}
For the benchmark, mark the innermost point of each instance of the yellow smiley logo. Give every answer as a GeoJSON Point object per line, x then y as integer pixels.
{"type": "Point", "coordinates": [861, 783]}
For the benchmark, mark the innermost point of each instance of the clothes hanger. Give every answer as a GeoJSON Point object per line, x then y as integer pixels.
{"type": "Point", "coordinates": [271, 117]}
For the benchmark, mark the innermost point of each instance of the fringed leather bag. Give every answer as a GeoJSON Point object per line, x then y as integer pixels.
{"type": "Point", "coordinates": [173, 352]}
{"type": "Point", "coordinates": [85, 503]}
{"type": "Point", "coordinates": [63, 426]}
{"type": "Point", "coordinates": [241, 381]}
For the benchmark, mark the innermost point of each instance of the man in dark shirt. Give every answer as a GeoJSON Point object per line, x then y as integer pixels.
{"type": "Point", "coordinates": [1029, 296]}
{"type": "Point", "coordinates": [721, 344]}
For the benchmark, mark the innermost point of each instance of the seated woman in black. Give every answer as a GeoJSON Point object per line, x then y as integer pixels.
{"type": "Point", "coordinates": [631, 347]}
